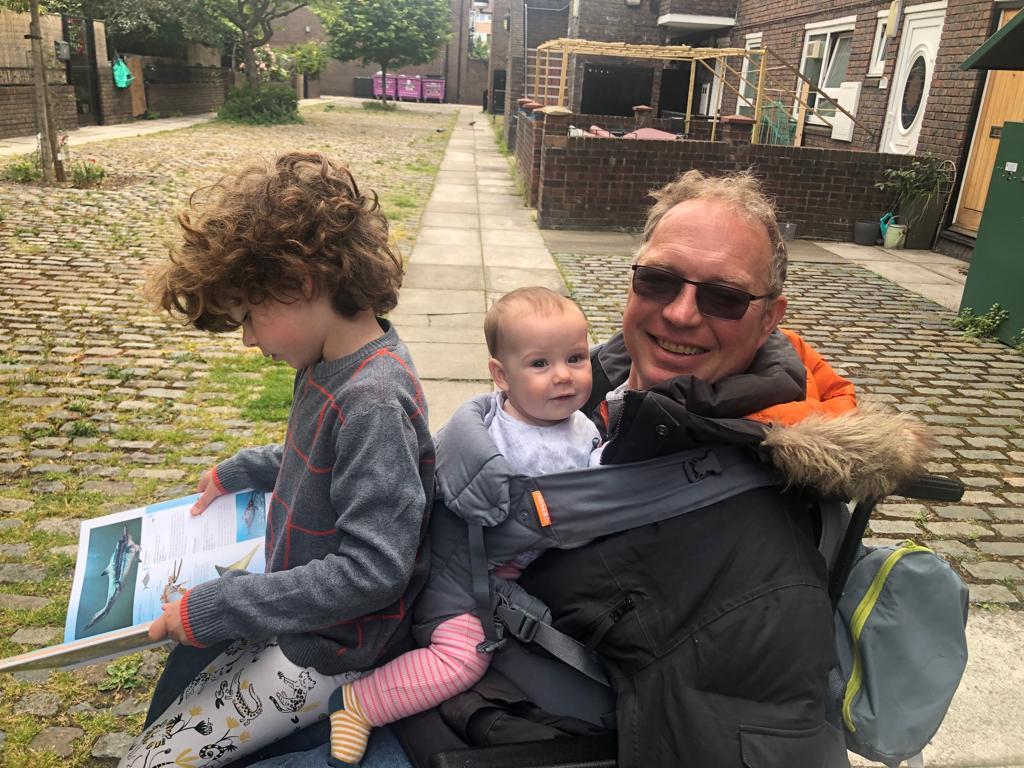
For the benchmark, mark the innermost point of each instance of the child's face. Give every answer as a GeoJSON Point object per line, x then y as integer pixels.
{"type": "Point", "coordinates": [544, 369]}
{"type": "Point", "coordinates": [294, 332]}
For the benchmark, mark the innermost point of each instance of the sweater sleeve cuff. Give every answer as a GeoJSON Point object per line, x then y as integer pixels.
{"type": "Point", "coordinates": [215, 476]}
{"type": "Point", "coordinates": [202, 621]}
{"type": "Point", "coordinates": [230, 477]}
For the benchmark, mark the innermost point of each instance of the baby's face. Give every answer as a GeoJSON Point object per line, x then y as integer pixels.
{"type": "Point", "coordinates": [544, 366]}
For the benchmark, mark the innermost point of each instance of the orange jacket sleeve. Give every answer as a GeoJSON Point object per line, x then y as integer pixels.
{"type": "Point", "coordinates": [828, 393]}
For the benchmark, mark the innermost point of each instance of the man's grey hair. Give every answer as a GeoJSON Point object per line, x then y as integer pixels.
{"type": "Point", "coordinates": [743, 191]}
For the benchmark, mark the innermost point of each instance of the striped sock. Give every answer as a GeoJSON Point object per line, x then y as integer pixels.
{"type": "Point", "coordinates": [350, 730]}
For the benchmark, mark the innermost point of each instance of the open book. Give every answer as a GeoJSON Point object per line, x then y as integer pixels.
{"type": "Point", "coordinates": [131, 563]}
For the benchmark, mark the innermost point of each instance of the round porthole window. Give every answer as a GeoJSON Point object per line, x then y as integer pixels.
{"type": "Point", "coordinates": [913, 92]}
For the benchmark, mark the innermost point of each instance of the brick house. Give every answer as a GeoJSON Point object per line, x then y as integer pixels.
{"type": "Point", "coordinates": [907, 92]}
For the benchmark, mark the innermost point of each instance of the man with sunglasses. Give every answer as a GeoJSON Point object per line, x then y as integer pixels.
{"type": "Point", "coordinates": [715, 625]}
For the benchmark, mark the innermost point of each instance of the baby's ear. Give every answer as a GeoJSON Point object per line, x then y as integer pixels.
{"type": "Point", "coordinates": [498, 376]}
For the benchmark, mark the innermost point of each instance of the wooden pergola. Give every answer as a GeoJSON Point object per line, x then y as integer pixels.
{"type": "Point", "coordinates": [765, 82]}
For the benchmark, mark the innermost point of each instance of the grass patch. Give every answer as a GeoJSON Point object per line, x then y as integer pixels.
{"type": "Point", "coordinates": [380, 106]}
{"type": "Point", "coordinates": [263, 387]}
{"type": "Point", "coordinates": [498, 127]}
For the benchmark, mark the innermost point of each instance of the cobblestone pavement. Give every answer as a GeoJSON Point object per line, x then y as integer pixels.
{"type": "Point", "coordinates": [105, 406]}
{"type": "Point", "coordinates": [899, 349]}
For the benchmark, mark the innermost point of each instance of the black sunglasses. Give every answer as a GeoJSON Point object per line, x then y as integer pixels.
{"type": "Point", "coordinates": [713, 300]}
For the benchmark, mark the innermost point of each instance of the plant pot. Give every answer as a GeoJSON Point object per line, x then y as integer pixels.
{"type": "Point", "coordinates": [865, 232]}
{"type": "Point", "coordinates": [921, 215]}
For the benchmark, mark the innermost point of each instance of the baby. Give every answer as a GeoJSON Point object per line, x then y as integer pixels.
{"type": "Point", "coordinates": [540, 365]}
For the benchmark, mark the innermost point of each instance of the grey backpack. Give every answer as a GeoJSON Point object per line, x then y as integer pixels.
{"type": "Point", "coordinates": [902, 650]}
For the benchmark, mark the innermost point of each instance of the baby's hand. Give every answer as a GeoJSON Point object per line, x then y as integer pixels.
{"type": "Point", "coordinates": [209, 491]}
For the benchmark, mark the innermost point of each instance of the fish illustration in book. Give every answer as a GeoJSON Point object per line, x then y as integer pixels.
{"type": "Point", "coordinates": [125, 554]}
{"type": "Point", "coordinates": [239, 565]}
{"type": "Point", "coordinates": [255, 513]}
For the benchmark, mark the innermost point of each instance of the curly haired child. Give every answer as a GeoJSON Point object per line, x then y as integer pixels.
{"type": "Point", "coordinates": [298, 258]}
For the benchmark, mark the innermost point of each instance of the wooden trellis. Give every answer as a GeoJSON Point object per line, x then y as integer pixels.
{"type": "Point", "coordinates": [766, 82]}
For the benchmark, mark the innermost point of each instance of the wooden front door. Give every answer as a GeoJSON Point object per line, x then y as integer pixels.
{"type": "Point", "coordinates": [1003, 101]}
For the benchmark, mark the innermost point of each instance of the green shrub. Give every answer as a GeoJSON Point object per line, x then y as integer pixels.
{"type": "Point", "coordinates": [87, 173]}
{"type": "Point", "coordinates": [261, 105]}
{"type": "Point", "coordinates": [23, 169]}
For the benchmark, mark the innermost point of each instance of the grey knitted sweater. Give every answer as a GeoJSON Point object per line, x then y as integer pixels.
{"type": "Point", "coordinates": [347, 521]}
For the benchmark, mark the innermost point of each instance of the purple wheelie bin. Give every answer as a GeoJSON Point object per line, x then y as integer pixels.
{"type": "Point", "coordinates": [410, 88]}
{"type": "Point", "coordinates": [433, 89]}
{"type": "Point", "coordinates": [379, 88]}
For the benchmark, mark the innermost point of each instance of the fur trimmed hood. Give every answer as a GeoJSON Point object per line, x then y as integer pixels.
{"type": "Point", "coordinates": [861, 454]}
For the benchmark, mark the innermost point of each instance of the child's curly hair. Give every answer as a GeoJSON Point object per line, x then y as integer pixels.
{"type": "Point", "coordinates": [271, 232]}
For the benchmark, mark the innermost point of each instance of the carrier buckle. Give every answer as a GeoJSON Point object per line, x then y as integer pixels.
{"type": "Point", "coordinates": [525, 627]}
{"type": "Point", "coordinates": [699, 468]}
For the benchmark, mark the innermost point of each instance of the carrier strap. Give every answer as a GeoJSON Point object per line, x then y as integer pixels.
{"type": "Point", "coordinates": [481, 580]}
{"type": "Point", "coordinates": [527, 628]}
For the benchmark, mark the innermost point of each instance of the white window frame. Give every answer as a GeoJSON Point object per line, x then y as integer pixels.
{"type": "Point", "coordinates": [876, 67]}
{"type": "Point", "coordinates": [827, 28]}
{"type": "Point", "coordinates": [751, 42]}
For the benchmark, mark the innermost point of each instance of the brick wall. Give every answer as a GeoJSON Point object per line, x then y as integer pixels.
{"type": "Point", "coordinates": [115, 103]}
{"type": "Point", "coordinates": [591, 183]}
{"type": "Point", "coordinates": [18, 109]}
{"type": "Point", "coordinates": [186, 98]}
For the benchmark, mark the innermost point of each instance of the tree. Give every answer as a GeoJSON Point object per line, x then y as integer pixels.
{"type": "Point", "coordinates": [389, 33]}
{"type": "Point", "coordinates": [250, 22]}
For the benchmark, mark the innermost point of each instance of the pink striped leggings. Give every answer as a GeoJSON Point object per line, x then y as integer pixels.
{"type": "Point", "coordinates": [421, 679]}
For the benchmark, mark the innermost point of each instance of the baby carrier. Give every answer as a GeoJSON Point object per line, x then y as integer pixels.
{"type": "Point", "coordinates": [889, 702]}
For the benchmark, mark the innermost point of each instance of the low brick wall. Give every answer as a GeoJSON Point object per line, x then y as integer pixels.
{"type": "Point", "coordinates": [115, 103]}
{"type": "Point", "coordinates": [18, 109]}
{"type": "Point", "coordinates": [185, 98]}
{"type": "Point", "coordinates": [590, 183]}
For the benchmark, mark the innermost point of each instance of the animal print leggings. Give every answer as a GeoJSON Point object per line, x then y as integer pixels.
{"type": "Point", "coordinates": [248, 697]}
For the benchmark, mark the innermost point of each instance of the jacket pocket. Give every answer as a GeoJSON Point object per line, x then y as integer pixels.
{"type": "Point", "coordinates": [764, 747]}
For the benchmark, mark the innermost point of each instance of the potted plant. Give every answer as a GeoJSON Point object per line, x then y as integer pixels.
{"type": "Point", "coordinates": [917, 189]}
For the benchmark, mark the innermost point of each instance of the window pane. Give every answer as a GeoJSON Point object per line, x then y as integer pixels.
{"type": "Point", "coordinates": [840, 58]}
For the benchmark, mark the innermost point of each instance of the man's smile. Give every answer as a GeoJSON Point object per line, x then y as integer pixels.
{"type": "Point", "coordinates": [678, 349]}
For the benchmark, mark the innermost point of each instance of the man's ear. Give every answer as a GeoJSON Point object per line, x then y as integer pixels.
{"type": "Point", "coordinates": [773, 315]}
{"type": "Point", "coordinates": [498, 376]}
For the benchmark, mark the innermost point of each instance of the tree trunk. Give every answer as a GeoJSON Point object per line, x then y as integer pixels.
{"type": "Point", "coordinates": [252, 77]}
{"type": "Point", "coordinates": [384, 82]}
{"type": "Point", "coordinates": [48, 148]}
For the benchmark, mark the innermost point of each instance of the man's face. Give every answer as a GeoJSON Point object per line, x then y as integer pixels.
{"type": "Point", "coordinates": [707, 241]}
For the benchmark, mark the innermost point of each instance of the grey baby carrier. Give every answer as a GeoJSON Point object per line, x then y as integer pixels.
{"type": "Point", "coordinates": [496, 514]}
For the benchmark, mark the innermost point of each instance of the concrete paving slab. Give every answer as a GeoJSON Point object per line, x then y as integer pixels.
{"type": "Point", "coordinates": [526, 239]}
{"type": "Point", "coordinates": [471, 320]}
{"type": "Point", "coordinates": [436, 253]}
{"type": "Point", "coordinates": [556, 237]}
{"type": "Point", "coordinates": [805, 250]}
{"type": "Point", "coordinates": [446, 236]}
{"type": "Point", "coordinates": [455, 177]}
{"type": "Point", "coordinates": [450, 206]}
{"type": "Point", "coordinates": [499, 198]}
{"type": "Point", "coordinates": [501, 209]}
{"type": "Point", "coordinates": [444, 397]}
{"type": "Point", "coordinates": [511, 256]}
{"type": "Point", "coordinates": [453, 192]}
{"type": "Point", "coordinates": [454, 276]}
{"type": "Point", "coordinates": [948, 296]}
{"type": "Point", "coordinates": [856, 253]}
{"type": "Point", "coordinates": [454, 334]}
{"type": "Point", "coordinates": [436, 360]}
{"type": "Point", "coordinates": [453, 220]}
{"type": "Point", "coordinates": [438, 301]}
{"type": "Point", "coordinates": [518, 220]}
{"type": "Point", "coordinates": [924, 257]}
{"type": "Point", "coordinates": [505, 279]}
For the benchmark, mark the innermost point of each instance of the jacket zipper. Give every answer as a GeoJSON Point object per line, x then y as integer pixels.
{"type": "Point", "coordinates": [860, 618]}
{"type": "Point", "coordinates": [613, 617]}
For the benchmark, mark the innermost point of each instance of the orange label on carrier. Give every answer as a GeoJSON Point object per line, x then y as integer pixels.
{"type": "Point", "coordinates": [542, 509]}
